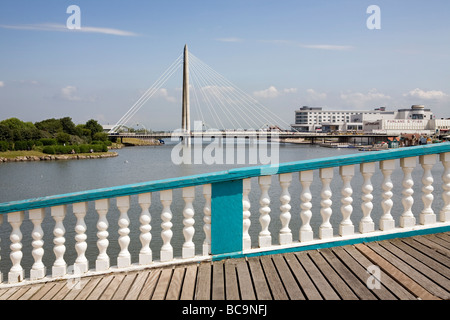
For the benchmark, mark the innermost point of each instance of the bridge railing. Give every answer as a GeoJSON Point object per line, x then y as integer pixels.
{"type": "Point", "coordinates": [214, 216]}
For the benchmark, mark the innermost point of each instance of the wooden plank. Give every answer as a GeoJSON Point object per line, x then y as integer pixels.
{"type": "Point", "coordinates": [327, 292]}
{"type": "Point", "coordinates": [137, 286]}
{"type": "Point", "coordinates": [112, 287]}
{"type": "Point", "coordinates": [359, 288]}
{"type": "Point", "coordinates": [396, 273]}
{"type": "Point", "coordinates": [203, 287]}
{"type": "Point", "coordinates": [8, 293]}
{"type": "Point", "coordinates": [308, 287]}
{"type": "Point", "coordinates": [231, 281]}
{"type": "Point", "coordinates": [259, 280]}
{"type": "Point", "coordinates": [422, 269]}
{"type": "Point", "coordinates": [18, 293]}
{"type": "Point", "coordinates": [54, 290]}
{"type": "Point", "coordinates": [88, 288]}
{"type": "Point", "coordinates": [101, 287]}
{"type": "Point", "coordinates": [150, 285]}
{"type": "Point", "coordinates": [162, 285]}
{"type": "Point", "coordinates": [190, 278]}
{"type": "Point", "coordinates": [275, 284]}
{"type": "Point", "coordinates": [386, 280]}
{"type": "Point", "coordinates": [361, 272]}
{"type": "Point", "coordinates": [124, 286]}
{"type": "Point", "coordinates": [433, 245]}
{"type": "Point", "coordinates": [440, 268]}
{"type": "Point", "coordinates": [434, 254]}
{"type": "Point", "coordinates": [46, 288]}
{"type": "Point", "coordinates": [218, 282]}
{"type": "Point", "coordinates": [32, 291]}
{"type": "Point", "coordinates": [290, 284]}
{"type": "Point", "coordinates": [336, 282]}
{"type": "Point", "coordinates": [245, 280]}
{"type": "Point", "coordinates": [439, 244]}
{"type": "Point", "coordinates": [173, 293]}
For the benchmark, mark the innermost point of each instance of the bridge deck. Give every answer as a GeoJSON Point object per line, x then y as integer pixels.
{"type": "Point", "coordinates": [411, 268]}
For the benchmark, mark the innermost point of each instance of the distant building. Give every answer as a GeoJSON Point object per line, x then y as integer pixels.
{"type": "Point", "coordinates": [417, 119]}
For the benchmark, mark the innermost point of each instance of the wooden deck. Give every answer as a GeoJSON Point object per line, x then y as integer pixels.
{"type": "Point", "coordinates": [411, 268]}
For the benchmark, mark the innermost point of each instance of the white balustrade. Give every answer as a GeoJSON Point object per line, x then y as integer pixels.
{"type": "Point", "coordinates": [103, 262]}
{"type": "Point", "coordinates": [407, 219]}
{"type": "Point", "coordinates": [366, 224]}
{"type": "Point", "coordinates": [59, 268]}
{"type": "Point", "coordinates": [124, 258]}
{"type": "Point", "coordinates": [81, 263]}
{"type": "Point", "coordinates": [166, 253]}
{"type": "Point", "coordinates": [307, 215]}
{"type": "Point", "coordinates": [265, 238]}
{"type": "Point", "coordinates": [207, 219]}
{"type": "Point", "coordinates": [346, 227]}
{"type": "Point", "coordinates": [246, 187]}
{"type": "Point", "coordinates": [38, 270]}
{"type": "Point", "coordinates": [285, 236]}
{"type": "Point", "coordinates": [1, 274]}
{"type": "Point", "coordinates": [16, 273]}
{"type": "Point", "coordinates": [145, 255]}
{"type": "Point", "coordinates": [326, 229]}
{"type": "Point", "coordinates": [427, 216]}
{"type": "Point", "coordinates": [188, 250]}
{"type": "Point", "coordinates": [444, 215]}
{"type": "Point", "coordinates": [387, 222]}
{"type": "Point", "coordinates": [306, 232]}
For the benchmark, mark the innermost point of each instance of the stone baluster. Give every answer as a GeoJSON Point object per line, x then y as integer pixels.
{"type": "Point", "coordinates": [207, 219]}
{"type": "Point", "coordinates": [444, 215]}
{"type": "Point", "coordinates": [285, 236]}
{"type": "Point", "coordinates": [306, 232]}
{"type": "Point", "coordinates": [81, 264]}
{"type": "Point", "coordinates": [38, 270]}
{"type": "Point", "coordinates": [265, 239]}
{"type": "Point", "coordinates": [366, 224]}
{"type": "Point", "coordinates": [346, 227]}
{"type": "Point", "coordinates": [124, 258]}
{"type": "Point", "coordinates": [407, 218]}
{"type": "Point", "coordinates": [427, 216]}
{"type": "Point", "coordinates": [326, 229]}
{"type": "Point", "coordinates": [59, 268]}
{"type": "Point", "coordinates": [387, 221]}
{"type": "Point", "coordinates": [103, 262]}
{"type": "Point", "coordinates": [1, 274]}
{"type": "Point", "coordinates": [16, 273]}
{"type": "Point", "coordinates": [188, 250]}
{"type": "Point", "coordinates": [246, 188]}
{"type": "Point", "coordinates": [166, 253]}
{"type": "Point", "coordinates": [145, 255]}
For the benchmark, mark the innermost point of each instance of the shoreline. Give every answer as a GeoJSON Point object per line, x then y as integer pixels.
{"type": "Point", "coordinates": [49, 157]}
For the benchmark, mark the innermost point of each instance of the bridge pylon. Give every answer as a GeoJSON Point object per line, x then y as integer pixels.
{"type": "Point", "coordinates": [186, 113]}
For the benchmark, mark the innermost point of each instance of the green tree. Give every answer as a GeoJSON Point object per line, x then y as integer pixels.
{"type": "Point", "coordinates": [62, 137]}
{"type": "Point", "coordinates": [52, 126]}
{"type": "Point", "coordinates": [68, 126]}
{"type": "Point", "coordinates": [94, 126]}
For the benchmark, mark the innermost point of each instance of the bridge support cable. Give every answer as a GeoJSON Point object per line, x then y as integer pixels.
{"type": "Point", "coordinates": [148, 94]}
{"type": "Point", "coordinates": [252, 108]}
{"type": "Point", "coordinates": [225, 94]}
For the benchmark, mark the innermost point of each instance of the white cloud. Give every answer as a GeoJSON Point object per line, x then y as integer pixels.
{"type": "Point", "coordinates": [69, 93]}
{"type": "Point", "coordinates": [231, 39]}
{"type": "Point", "coordinates": [63, 28]}
{"type": "Point", "coordinates": [163, 93]}
{"type": "Point", "coordinates": [273, 92]}
{"type": "Point", "coordinates": [313, 95]}
{"type": "Point", "coordinates": [426, 95]}
{"type": "Point", "coordinates": [359, 100]}
{"type": "Point", "coordinates": [2, 84]}
{"type": "Point", "coordinates": [328, 47]}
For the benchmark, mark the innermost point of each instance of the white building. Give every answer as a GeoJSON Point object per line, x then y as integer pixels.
{"type": "Point", "coordinates": [417, 119]}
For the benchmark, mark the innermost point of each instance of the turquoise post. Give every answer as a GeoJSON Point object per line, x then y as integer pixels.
{"type": "Point", "coordinates": [226, 217]}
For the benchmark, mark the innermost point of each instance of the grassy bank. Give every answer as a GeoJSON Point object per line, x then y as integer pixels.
{"type": "Point", "coordinates": [37, 156]}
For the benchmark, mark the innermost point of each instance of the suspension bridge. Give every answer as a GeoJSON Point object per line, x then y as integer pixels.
{"type": "Point", "coordinates": [220, 109]}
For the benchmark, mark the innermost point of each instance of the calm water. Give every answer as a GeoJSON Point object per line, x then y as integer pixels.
{"type": "Point", "coordinates": [25, 180]}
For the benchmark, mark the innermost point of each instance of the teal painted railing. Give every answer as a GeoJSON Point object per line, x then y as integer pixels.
{"type": "Point", "coordinates": [226, 215]}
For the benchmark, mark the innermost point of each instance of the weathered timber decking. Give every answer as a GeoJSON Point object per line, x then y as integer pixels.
{"type": "Point", "coordinates": [411, 268]}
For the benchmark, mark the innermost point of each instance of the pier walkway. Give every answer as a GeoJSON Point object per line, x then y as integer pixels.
{"type": "Point", "coordinates": [410, 268]}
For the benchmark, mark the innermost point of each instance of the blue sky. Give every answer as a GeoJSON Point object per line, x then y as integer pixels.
{"type": "Point", "coordinates": [285, 53]}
